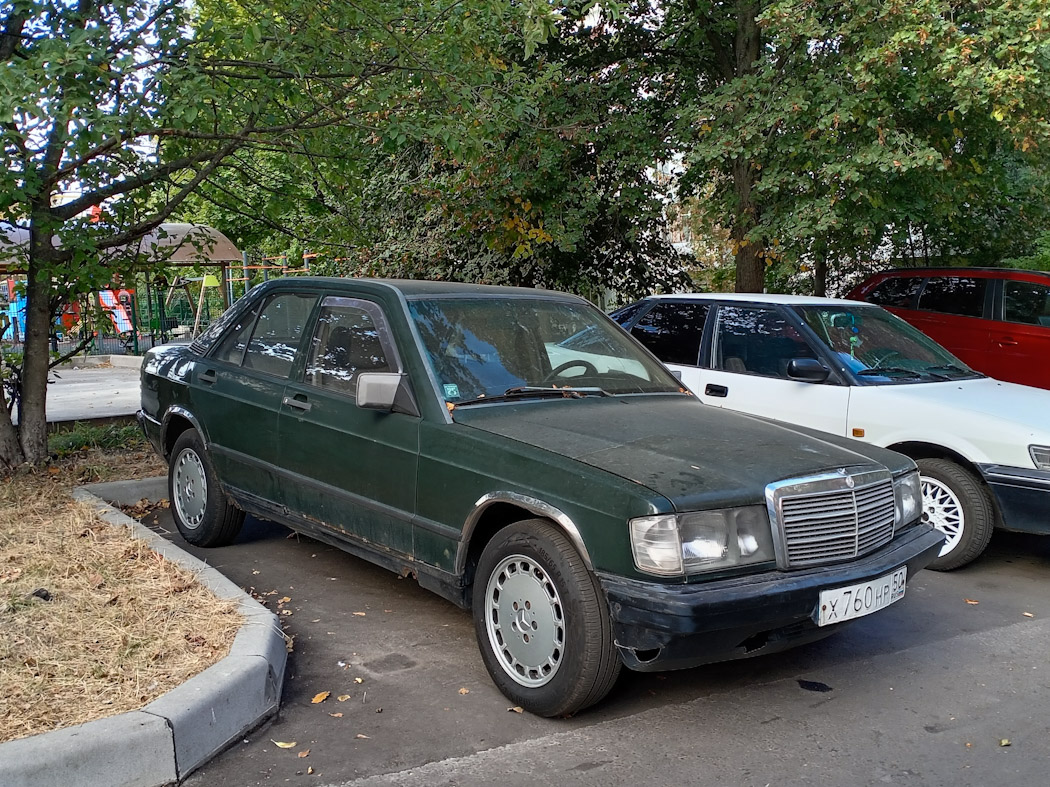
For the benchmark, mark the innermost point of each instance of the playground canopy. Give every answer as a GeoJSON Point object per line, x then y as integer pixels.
{"type": "Point", "coordinates": [170, 244]}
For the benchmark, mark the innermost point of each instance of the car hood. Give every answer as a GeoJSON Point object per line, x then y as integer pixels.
{"type": "Point", "coordinates": [988, 398]}
{"type": "Point", "coordinates": [694, 455]}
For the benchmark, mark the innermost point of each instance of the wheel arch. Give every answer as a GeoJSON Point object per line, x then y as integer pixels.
{"type": "Point", "coordinates": [497, 510]}
{"type": "Point", "coordinates": [176, 421]}
{"type": "Point", "coordinates": [922, 450]}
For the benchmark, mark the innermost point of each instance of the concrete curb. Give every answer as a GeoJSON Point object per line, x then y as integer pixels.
{"type": "Point", "coordinates": [177, 733]}
{"type": "Point", "coordinates": [88, 361]}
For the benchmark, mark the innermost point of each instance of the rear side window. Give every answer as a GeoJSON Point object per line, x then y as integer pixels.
{"type": "Point", "coordinates": [672, 331]}
{"type": "Point", "coordinates": [1026, 302]}
{"type": "Point", "coordinates": [277, 333]}
{"type": "Point", "coordinates": [960, 295]}
{"type": "Point", "coordinates": [896, 291]}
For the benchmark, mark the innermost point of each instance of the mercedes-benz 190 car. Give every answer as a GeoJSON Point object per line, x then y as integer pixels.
{"type": "Point", "coordinates": [520, 455]}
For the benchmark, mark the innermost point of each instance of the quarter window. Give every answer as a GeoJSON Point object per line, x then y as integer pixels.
{"type": "Point", "coordinates": [277, 333]}
{"type": "Point", "coordinates": [351, 337]}
{"type": "Point", "coordinates": [960, 295]}
{"type": "Point", "coordinates": [757, 341]}
{"type": "Point", "coordinates": [672, 331]}
{"type": "Point", "coordinates": [1026, 302]}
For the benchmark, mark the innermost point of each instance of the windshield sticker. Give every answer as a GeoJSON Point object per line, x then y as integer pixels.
{"type": "Point", "coordinates": [451, 391]}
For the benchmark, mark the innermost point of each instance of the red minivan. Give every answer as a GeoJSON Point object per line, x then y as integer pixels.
{"type": "Point", "coordinates": [997, 320]}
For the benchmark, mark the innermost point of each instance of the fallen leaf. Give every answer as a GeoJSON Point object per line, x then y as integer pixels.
{"type": "Point", "coordinates": [343, 697]}
{"type": "Point", "coordinates": [360, 614]}
{"type": "Point", "coordinates": [971, 601]}
{"type": "Point", "coordinates": [359, 680]}
{"type": "Point", "coordinates": [1028, 614]}
{"type": "Point", "coordinates": [304, 753]}
{"type": "Point", "coordinates": [310, 770]}
{"type": "Point", "coordinates": [336, 715]}
{"type": "Point", "coordinates": [359, 735]}
{"type": "Point", "coordinates": [283, 600]}
{"type": "Point", "coordinates": [464, 690]}
{"type": "Point", "coordinates": [1004, 741]}
{"type": "Point", "coordinates": [515, 709]}
{"type": "Point", "coordinates": [320, 697]}
{"type": "Point", "coordinates": [282, 744]}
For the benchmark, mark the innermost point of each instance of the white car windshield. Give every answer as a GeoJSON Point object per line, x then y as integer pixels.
{"type": "Point", "coordinates": [484, 348]}
{"type": "Point", "coordinates": [880, 348]}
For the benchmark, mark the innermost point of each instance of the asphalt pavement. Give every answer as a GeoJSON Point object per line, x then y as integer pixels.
{"type": "Point", "coordinates": [81, 392]}
{"type": "Point", "coordinates": [950, 686]}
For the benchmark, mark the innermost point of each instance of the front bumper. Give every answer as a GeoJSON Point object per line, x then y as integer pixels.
{"type": "Point", "coordinates": [1022, 495]}
{"type": "Point", "coordinates": [661, 627]}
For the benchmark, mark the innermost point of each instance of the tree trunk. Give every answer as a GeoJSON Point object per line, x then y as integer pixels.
{"type": "Point", "coordinates": [750, 259]}
{"type": "Point", "coordinates": [32, 416]}
{"type": "Point", "coordinates": [820, 272]}
{"type": "Point", "coordinates": [750, 254]}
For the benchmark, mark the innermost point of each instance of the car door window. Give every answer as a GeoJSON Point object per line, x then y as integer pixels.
{"type": "Point", "coordinates": [277, 333]}
{"type": "Point", "coordinates": [896, 291]}
{"type": "Point", "coordinates": [1026, 302]}
{"type": "Point", "coordinates": [961, 295]}
{"type": "Point", "coordinates": [351, 337]}
{"type": "Point", "coordinates": [672, 331]}
{"type": "Point", "coordinates": [231, 348]}
{"type": "Point", "coordinates": [757, 341]}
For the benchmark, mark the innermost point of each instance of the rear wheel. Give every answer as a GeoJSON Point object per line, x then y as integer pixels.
{"type": "Point", "coordinates": [201, 511]}
{"type": "Point", "coordinates": [955, 502]}
{"type": "Point", "coordinates": [542, 623]}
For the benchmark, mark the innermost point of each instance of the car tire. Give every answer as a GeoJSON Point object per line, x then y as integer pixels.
{"type": "Point", "coordinates": [542, 622]}
{"type": "Point", "coordinates": [955, 502]}
{"type": "Point", "coordinates": [203, 515]}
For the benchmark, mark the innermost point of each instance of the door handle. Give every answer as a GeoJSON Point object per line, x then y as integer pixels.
{"type": "Point", "coordinates": [1007, 341]}
{"type": "Point", "coordinates": [297, 403]}
{"type": "Point", "coordinates": [716, 390]}
{"type": "Point", "coordinates": [207, 376]}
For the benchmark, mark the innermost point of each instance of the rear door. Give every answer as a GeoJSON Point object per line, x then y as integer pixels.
{"type": "Point", "coordinates": [351, 469]}
{"type": "Point", "coordinates": [237, 390]}
{"type": "Point", "coordinates": [746, 369]}
{"type": "Point", "coordinates": [1020, 336]}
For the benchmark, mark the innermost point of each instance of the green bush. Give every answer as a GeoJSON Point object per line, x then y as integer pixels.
{"type": "Point", "coordinates": [83, 436]}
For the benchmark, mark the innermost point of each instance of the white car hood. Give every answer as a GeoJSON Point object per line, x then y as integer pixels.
{"type": "Point", "coordinates": [986, 420]}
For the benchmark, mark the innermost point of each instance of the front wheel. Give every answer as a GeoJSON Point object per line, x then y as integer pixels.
{"type": "Point", "coordinates": [955, 502]}
{"type": "Point", "coordinates": [201, 511]}
{"type": "Point", "coordinates": [542, 623]}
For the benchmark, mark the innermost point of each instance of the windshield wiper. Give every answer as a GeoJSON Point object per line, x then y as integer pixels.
{"type": "Point", "coordinates": [536, 392]}
{"type": "Point", "coordinates": [888, 371]}
{"type": "Point", "coordinates": [951, 367]}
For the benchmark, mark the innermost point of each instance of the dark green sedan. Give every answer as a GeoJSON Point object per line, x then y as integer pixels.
{"type": "Point", "coordinates": [523, 457]}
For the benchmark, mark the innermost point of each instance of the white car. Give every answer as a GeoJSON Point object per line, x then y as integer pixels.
{"type": "Point", "coordinates": [853, 369]}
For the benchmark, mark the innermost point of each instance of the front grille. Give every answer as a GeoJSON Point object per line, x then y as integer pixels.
{"type": "Point", "coordinates": [831, 517]}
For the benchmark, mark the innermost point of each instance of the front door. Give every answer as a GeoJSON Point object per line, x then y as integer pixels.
{"type": "Point", "coordinates": [352, 470]}
{"type": "Point", "coordinates": [747, 371]}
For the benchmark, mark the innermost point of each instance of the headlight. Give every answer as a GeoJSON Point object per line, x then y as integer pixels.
{"type": "Point", "coordinates": [1040, 455]}
{"type": "Point", "coordinates": [907, 499]}
{"type": "Point", "coordinates": [676, 544]}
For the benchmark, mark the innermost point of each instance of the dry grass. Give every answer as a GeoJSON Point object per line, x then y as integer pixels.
{"type": "Point", "coordinates": [122, 625]}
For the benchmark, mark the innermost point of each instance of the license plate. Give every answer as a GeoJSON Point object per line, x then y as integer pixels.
{"type": "Point", "coordinates": [856, 601]}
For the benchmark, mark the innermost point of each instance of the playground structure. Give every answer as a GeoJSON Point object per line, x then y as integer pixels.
{"type": "Point", "coordinates": [187, 276]}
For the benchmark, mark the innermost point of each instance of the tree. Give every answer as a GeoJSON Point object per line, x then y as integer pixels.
{"type": "Point", "coordinates": [134, 106]}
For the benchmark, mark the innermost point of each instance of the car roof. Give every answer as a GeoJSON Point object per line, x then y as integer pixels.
{"type": "Point", "coordinates": [959, 271]}
{"type": "Point", "coordinates": [759, 297]}
{"type": "Point", "coordinates": [412, 288]}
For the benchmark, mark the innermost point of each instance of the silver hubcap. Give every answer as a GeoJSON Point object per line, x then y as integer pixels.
{"type": "Point", "coordinates": [190, 487]}
{"type": "Point", "coordinates": [942, 509]}
{"type": "Point", "coordinates": [525, 621]}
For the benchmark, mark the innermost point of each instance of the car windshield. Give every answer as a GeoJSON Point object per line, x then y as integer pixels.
{"type": "Point", "coordinates": [880, 348]}
{"type": "Point", "coordinates": [510, 347]}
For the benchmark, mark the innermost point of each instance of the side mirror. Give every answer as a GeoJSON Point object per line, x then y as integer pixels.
{"type": "Point", "coordinates": [807, 370]}
{"type": "Point", "coordinates": [377, 390]}
{"type": "Point", "coordinates": [677, 374]}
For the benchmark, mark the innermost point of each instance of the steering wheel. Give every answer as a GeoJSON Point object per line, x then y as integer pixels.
{"type": "Point", "coordinates": [875, 364]}
{"type": "Point", "coordinates": [587, 366]}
